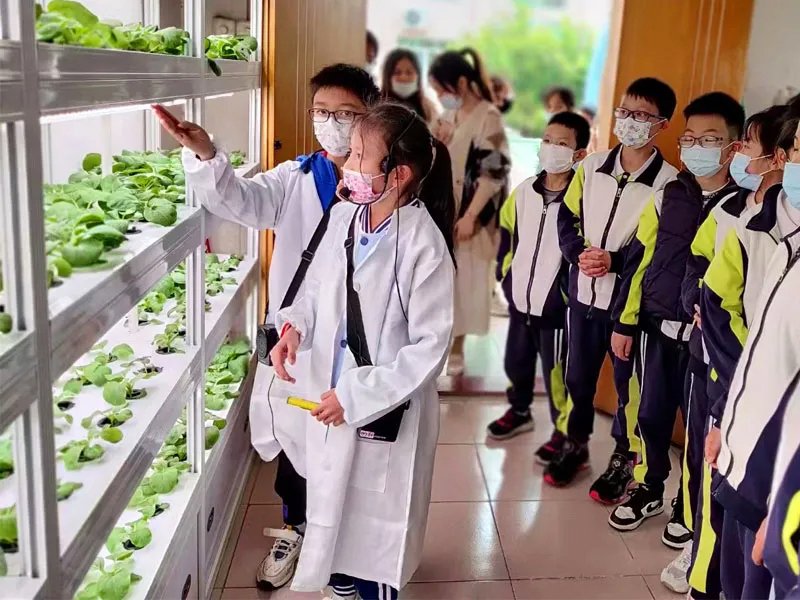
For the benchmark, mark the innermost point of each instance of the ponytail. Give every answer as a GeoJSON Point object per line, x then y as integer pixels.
{"type": "Point", "coordinates": [409, 141]}
{"type": "Point", "coordinates": [436, 193]}
{"type": "Point", "coordinates": [481, 81]}
{"type": "Point", "coordinates": [451, 66]}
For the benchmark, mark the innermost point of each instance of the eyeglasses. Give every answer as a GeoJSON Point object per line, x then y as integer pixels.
{"type": "Point", "coordinates": [704, 141]}
{"type": "Point", "coordinates": [344, 117]}
{"type": "Point", "coordinates": [638, 115]}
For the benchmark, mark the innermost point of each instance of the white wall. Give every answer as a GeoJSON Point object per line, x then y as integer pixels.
{"type": "Point", "coordinates": [772, 59]}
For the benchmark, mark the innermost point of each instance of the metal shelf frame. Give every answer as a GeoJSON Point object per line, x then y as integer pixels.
{"type": "Point", "coordinates": [54, 328]}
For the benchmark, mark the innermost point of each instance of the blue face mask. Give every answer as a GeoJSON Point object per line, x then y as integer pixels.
{"type": "Point", "coordinates": [748, 181]}
{"type": "Point", "coordinates": [451, 101]}
{"type": "Point", "coordinates": [702, 162]}
{"type": "Point", "coordinates": [791, 183]}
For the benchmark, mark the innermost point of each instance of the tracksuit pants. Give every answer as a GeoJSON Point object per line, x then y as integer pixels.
{"type": "Point", "coordinates": [346, 587]}
{"type": "Point", "coordinates": [742, 579]}
{"type": "Point", "coordinates": [588, 344]}
{"type": "Point", "coordinates": [661, 365]}
{"type": "Point", "coordinates": [291, 487]}
{"type": "Point", "coordinates": [702, 513]}
{"type": "Point", "coordinates": [526, 341]}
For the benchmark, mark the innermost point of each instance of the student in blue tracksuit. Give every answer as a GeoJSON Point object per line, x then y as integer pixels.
{"type": "Point", "coordinates": [534, 276]}
{"type": "Point", "coordinates": [597, 223]}
{"type": "Point", "coordinates": [742, 294]}
{"type": "Point", "coordinates": [654, 272]}
{"type": "Point", "coordinates": [780, 537]}
{"type": "Point", "coordinates": [755, 170]}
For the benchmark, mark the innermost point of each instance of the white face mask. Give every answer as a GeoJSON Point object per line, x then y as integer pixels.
{"type": "Point", "coordinates": [405, 89]}
{"type": "Point", "coordinates": [555, 159]}
{"type": "Point", "coordinates": [633, 133]}
{"type": "Point", "coordinates": [334, 136]}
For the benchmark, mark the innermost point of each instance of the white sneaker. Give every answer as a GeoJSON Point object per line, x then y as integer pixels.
{"type": "Point", "coordinates": [499, 305]}
{"type": "Point", "coordinates": [277, 569]}
{"type": "Point", "coordinates": [329, 594]}
{"type": "Point", "coordinates": [675, 574]}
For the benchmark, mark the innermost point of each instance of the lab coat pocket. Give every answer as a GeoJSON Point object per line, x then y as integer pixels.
{"type": "Point", "coordinates": [371, 465]}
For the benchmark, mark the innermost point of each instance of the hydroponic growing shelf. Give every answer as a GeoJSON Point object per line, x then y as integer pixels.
{"type": "Point", "coordinates": [125, 376]}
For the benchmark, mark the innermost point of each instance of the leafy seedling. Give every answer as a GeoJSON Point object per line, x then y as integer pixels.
{"type": "Point", "coordinates": [133, 536]}
{"type": "Point", "coordinates": [167, 342]}
{"type": "Point", "coordinates": [6, 322]}
{"type": "Point", "coordinates": [113, 584]}
{"type": "Point", "coordinates": [6, 458]}
{"type": "Point", "coordinates": [8, 530]}
{"type": "Point", "coordinates": [66, 489]}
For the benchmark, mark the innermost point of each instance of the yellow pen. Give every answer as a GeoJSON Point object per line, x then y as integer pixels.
{"type": "Point", "coordinates": [301, 403]}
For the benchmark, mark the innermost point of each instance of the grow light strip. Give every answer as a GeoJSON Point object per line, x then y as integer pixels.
{"type": "Point", "coordinates": [215, 96]}
{"type": "Point", "coordinates": [100, 112]}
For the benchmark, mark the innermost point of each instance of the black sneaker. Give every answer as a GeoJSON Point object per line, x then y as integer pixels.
{"type": "Point", "coordinates": [676, 535]}
{"type": "Point", "coordinates": [612, 486]}
{"type": "Point", "coordinates": [566, 464]}
{"type": "Point", "coordinates": [642, 504]}
{"type": "Point", "coordinates": [548, 451]}
{"type": "Point", "coordinates": [509, 425]}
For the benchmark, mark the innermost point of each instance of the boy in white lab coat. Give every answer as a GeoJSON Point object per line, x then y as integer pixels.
{"type": "Point", "coordinates": [289, 199]}
{"type": "Point", "coordinates": [376, 319]}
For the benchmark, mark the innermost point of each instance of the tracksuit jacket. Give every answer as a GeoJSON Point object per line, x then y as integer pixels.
{"type": "Point", "coordinates": [602, 210]}
{"type": "Point", "coordinates": [783, 531]}
{"type": "Point", "coordinates": [731, 288]}
{"type": "Point", "coordinates": [751, 422]}
{"type": "Point", "coordinates": [531, 267]}
{"type": "Point", "coordinates": [707, 242]}
{"type": "Point", "coordinates": [656, 263]}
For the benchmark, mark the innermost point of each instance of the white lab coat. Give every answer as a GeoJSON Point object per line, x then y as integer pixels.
{"type": "Point", "coordinates": [368, 501]}
{"type": "Point", "coordinates": [285, 200]}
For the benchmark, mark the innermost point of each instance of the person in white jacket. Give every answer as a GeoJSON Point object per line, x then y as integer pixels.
{"type": "Point", "coordinates": [289, 199]}
{"type": "Point", "coordinates": [376, 320]}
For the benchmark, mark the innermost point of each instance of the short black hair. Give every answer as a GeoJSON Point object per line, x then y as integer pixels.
{"type": "Point", "coordinates": [347, 77]}
{"type": "Point", "coordinates": [577, 124]}
{"type": "Point", "coordinates": [589, 110]}
{"type": "Point", "coordinates": [655, 91]}
{"type": "Point", "coordinates": [766, 126]}
{"type": "Point", "coordinates": [372, 40]}
{"type": "Point", "coordinates": [566, 95]}
{"type": "Point", "coordinates": [718, 104]}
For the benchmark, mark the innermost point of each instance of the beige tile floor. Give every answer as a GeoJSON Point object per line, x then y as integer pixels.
{"type": "Point", "coordinates": [495, 532]}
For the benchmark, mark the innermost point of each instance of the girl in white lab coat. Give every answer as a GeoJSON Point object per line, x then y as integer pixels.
{"type": "Point", "coordinates": [371, 440]}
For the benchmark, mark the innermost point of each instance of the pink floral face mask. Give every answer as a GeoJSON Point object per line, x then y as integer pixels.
{"type": "Point", "coordinates": [360, 187]}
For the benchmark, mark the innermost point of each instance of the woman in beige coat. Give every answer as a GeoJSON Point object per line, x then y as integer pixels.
{"type": "Point", "coordinates": [473, 130]}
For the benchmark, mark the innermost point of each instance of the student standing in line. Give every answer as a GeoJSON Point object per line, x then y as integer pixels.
{"type": "Point", "coordinates": [289, 199]}
{"type": "Point", "coordinates": [597, 222]}
{"type": "Point", "coordinates": [777, 543]}
{"type": "Point", "coordinates": [740, 285]}
{"type": "Point", "coordinates": [754, 169]}
{"type": "Point", "coordinates": [557, 100]}
{"type": "Point", "coordinates": [654, 271]}
{"type": "Point", "coordinates": [402, 83]}
{"type": "Point", "coordinates": [534, 278]}
{"type": "Point", "coordinates": [376, 318]}
{"type": "Point", "coordinates": [473, 130]}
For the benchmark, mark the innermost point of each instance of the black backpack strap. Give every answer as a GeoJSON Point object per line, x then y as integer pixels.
{"type": "Point", "coordinates": [356, 336]}
{"type": "Point", "coordinates": [305, 259]}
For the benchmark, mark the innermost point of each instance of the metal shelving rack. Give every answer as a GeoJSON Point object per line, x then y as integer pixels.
{"type": "Point", "coordinates": [54, 328]}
